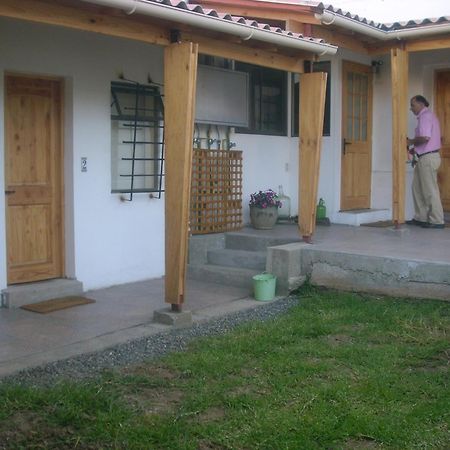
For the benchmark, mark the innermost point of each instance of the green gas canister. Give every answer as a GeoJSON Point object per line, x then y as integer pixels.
{"type": "Point", "coordinates": [321, 211]}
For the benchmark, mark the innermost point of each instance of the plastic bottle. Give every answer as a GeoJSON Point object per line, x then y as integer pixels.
{"type": "Point", "coordinates": [321, 211]}
{"type": "Point", "coordinates": [285, 211]}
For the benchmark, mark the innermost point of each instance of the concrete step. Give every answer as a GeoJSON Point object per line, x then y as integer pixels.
{"type": "Point", "coordinates": [361, 216]}
{"type": "Point", "coordinates": [24, 294]}
{"type": "Point", "coordinates": [238, 258]}
{"type": "Point", "coordinates": [230, 276]}
{"type": "Point", "coordinates": [253, 242]}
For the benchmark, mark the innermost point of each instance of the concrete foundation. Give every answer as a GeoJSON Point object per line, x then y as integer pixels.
{"type": "Point", "coordinates": [387, 276]}
{"type": "Point", "coordinates": [407, 262]}
{"type": "Point", "coordinates": [23, 294]}
{"type": "Point", "coordinates": [166, 316]}
{"type": "Point", "coordinates": [285, 262]}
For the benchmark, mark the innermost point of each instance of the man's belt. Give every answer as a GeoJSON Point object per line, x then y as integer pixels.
{"type": "Point", "coordinates": [427, 153]}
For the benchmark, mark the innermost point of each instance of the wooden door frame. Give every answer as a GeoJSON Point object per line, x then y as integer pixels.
{"type": "Point", "coordinates": [347, 63]}
{"type": "Point", "coordinates": [59, 183]}
{"type": "Point", "coordinates": [435, 95]}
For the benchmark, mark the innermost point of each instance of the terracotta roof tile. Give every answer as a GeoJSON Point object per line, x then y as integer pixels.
{"type": "Point", "coordinates": [398, 25]}
{"type": "Point", "coordinates": [191, 6]}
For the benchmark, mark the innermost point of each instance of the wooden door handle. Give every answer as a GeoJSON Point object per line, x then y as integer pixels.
{"type": "Point", "coordinates": [8, 192]}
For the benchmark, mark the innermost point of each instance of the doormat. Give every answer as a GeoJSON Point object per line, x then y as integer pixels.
{"type": "Point", "coordinates": [379, 224]}
{"type": "Point", "coordinates": [389, 223]}
{"type": "Point", "coordinates": [55, 304]}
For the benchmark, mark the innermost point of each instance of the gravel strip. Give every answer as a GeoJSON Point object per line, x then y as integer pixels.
{"type": "Point", "coordinates": [136, 351]}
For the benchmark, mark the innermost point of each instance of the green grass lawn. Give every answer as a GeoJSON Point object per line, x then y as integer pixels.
{"type": "Point", "coordinates": [338, 371]}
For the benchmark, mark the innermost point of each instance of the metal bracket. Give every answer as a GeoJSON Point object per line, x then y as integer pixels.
{"type": "Point", "coordinates": [175, 36]}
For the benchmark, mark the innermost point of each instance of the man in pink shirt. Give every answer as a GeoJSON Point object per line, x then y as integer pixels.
{"type": "Point", "coordinates": [426, 144]}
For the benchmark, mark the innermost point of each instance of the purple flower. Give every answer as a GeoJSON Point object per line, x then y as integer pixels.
{"type": "Point", "coordinates": [265, 199]}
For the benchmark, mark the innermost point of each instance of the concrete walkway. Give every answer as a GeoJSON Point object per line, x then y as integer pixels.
{"type": "Point", "coordinates": [120, 313]}
{"type": "Point", "coordinates": [125, 312]}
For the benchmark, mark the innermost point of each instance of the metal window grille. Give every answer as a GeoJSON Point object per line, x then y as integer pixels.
{"type": "Point", "coordinates": [137, 139]}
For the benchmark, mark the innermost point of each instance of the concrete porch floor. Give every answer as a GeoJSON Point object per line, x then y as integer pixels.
{"type": "Point", "coordinates": [408, 243]}
{"type": "Point", "coordinates": [125, 312]}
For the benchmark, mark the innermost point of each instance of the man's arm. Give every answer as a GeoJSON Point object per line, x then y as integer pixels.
{"type": "Point", "coordinates": [419, 140]}
{"type": "Point", "coordinates": [424, 130]}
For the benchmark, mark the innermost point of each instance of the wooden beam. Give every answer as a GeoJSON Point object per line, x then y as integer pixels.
{"type": "Point", "coordinates": [399, 80]}
{"type": "Point", "coordinates": [428, 44]}
{"type": "Point", "coordinates": [411, 46]}
{"type": "Point", "coordinates": [116, 23]}
{"type": "Point", "coordinates": [312, 108]}
{"type": "Point", "coordinates": [380, 49]}
{"type": "Point", "coordinates": [249, 55]}
{"type": "Point", "coordinates": [334, 37]}
{"type": "Point", "coordinates": [180, 77]}
{"type": "Point", "coordinates": [84, 18]}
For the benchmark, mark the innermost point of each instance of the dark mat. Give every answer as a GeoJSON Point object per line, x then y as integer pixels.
{"type": "Point", "coordinates": [379, 224]}
{"type": "Point", "coordinates": [56, 304]}
{"type": "Point", "coordinates": [388, 223]}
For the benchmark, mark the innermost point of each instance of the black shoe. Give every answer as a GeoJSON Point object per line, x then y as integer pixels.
{"type": "Point", "coordinates": [433, 225]}
{"type": "Point", "coordinates": [418, 223]}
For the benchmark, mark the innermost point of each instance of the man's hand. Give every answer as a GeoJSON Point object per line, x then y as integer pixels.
{"type": "Point", "coordinates": [418, 140]}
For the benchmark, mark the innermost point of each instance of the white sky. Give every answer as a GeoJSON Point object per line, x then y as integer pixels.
{"type": "Point", "coordinates": [387, 11]}
{"type": "Point", "coordinates": [392, 10]}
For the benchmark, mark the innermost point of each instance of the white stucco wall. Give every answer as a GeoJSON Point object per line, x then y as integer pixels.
{"type": "Point", "coordinates": [266, 165]}
{"type": "Point", "coordinates": [111, 242]}
{"type": "Point", "coordinates": [107, 241]}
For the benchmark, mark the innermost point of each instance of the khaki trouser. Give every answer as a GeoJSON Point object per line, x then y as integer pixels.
{"type": "Point", "coordinates": [425, 189]}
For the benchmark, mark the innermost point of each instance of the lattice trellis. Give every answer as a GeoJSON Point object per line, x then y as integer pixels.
{"type": "Point", "coordinates": [216, 191]}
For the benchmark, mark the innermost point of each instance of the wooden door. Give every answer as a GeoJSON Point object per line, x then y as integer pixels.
{"type": "Point", "coordinates": [356, 160]}
{"type": "Point", "coordinates": [442, 95]}
{"type": "Point", "coordinates": [33, 174]}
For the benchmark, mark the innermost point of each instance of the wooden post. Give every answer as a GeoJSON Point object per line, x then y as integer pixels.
{"type": "Point", "coordinates": [399, 80]}
{"type": "Point", "coordinates": [312, 109]}
{"type": "Point", "coordinates": [180, 76]}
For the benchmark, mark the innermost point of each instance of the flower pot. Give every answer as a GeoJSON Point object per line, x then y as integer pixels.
{"type": "Point", "coordinates": [263, 218]}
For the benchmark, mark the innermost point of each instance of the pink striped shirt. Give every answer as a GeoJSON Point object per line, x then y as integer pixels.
{"type": "Point", "coordinates": [428, 126]}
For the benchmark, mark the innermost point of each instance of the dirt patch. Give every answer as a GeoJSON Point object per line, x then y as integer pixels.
{"type": "Point", "coordinates": [206, 445]}
{"type": "Point", "coordinates": [214, 414]}
{"type": "Point", "coordinates": [27, 426]}
{"type": "Point", "coordinates": [361, 443]}
{"type": "Point", "coordinates": [154, 400]}
{"type": "Point", "coordinates": [335, 340]}
{"type": "Point", "coordinates": [159, 372]}
{"type": "Point", "coordinates": [437, 363]}
{"type": "Point", "coordinates": [241, 390]}
{"type": "Point", "coordinates": [249, 372]}
{"type": "Point", "coordinates": [19, 428]}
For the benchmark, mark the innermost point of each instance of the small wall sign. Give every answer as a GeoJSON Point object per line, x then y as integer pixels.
{"type": "Point", "coordinates": [83, 164]}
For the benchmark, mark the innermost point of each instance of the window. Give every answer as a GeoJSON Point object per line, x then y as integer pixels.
{"type": "Point", "coordinates": [137, 147]}
{"type": "Point", "coordinates": [268, 92]}
{"type": "Point", "coordinates": [323, 66]}
{"type": "Point", "coordinates": [215, 61]}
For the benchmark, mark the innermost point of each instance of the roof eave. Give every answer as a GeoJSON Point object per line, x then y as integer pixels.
{"type": "Point", "coordinates": [196, 19]}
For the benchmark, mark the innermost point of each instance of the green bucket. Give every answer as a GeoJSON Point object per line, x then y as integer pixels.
{"type": "Point", "coordinates": [264, 286]}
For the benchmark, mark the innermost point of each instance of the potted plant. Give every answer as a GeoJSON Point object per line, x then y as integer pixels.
{"type": "Point", "coordinates": [264, 209]}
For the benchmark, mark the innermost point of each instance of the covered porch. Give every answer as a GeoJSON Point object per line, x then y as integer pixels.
{"type": "Point", "coordinates": [123, 313]}
{"type": "Point", "coordinates": [183, 34]}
